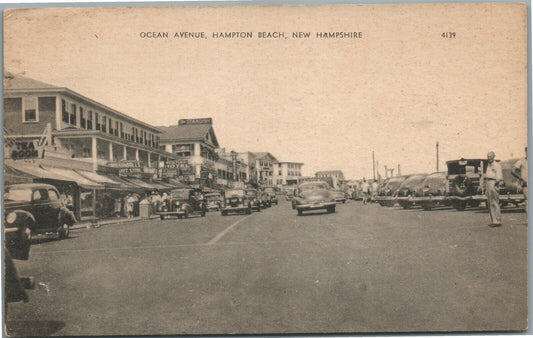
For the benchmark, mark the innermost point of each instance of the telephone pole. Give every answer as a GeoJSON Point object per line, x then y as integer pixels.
{"type": "Point", "coordinates": [373, 166]}
{"type": "Point", "coordinates": [437, 146]}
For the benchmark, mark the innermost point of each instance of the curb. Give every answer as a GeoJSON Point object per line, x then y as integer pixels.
{"type": "Point", "coordinates": [97, 224]}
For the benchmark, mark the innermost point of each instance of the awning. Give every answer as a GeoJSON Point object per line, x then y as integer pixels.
{"type": "Point", "coordinates": [140, 183]}
{"type": "Point", "coordinates": [13, 176]}
{"type": "Point", "coordinates": [106, 181]}
{"type": "Point", "coordinates": [161, 185]}
{"type": "Point", "coordinates": [123, 183]}
{"type": "Point", "coordinates": [177, 184]}
{"type": "Point", "coordinates": [72, 176]}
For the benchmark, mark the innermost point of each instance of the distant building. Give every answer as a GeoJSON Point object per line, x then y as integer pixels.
{"type": "Point", "coordinates": [194, 143]}
{"type": "Point", "coordinates": [231, 171]}
{"type": "Point", "coordinates": [260, 169]}
{"type": "Point", "coordinates": [287, 173]}
{"type": "Point", "coordinates": [336, 176]}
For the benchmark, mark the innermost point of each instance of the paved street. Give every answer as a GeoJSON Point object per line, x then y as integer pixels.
{"type": "Point", "coordinates": [362, 269]}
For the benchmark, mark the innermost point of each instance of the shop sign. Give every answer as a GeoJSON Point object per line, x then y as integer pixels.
{"type": "Point", "coordinates": [208, 120]}
{"type": "Point", "coordinates": [25, 151]}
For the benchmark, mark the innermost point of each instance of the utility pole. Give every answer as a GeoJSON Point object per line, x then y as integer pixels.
{"type": "Point", "coordinates": [437, 145]}
{"type": "Point", "coordinates": [399, 172]}
{"type": "Point", "coordinates": [373, 166]}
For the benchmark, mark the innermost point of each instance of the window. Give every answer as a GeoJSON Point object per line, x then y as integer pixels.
{"type": "Point", "coordinates": [97, 121]}
{"type": "Point", "coordinates": [121, 130]}
{"type": "Point", "coordinates": [13, 105]}
{"type": "Point", "coordinates": [52, 194]}
{"type": "Point", "coordinates": [47, 104]}
{"type": "Point", "coordinates": [103, 127]}
{"type": "Point", "coordinates": [90, 120]}
{"type": "Point", "coordinates": [40, 195]}
{"type": "Point", "coordinates": [111, 126]}
{"type": "Point", "coordinates": [82, 119]}
{"type": "Point", "coordinates": [64, 111]}
{"type": "Point", "coordinates": [116, 128]}
{"type": "Point", "coordinates": [30, 110]}
{"type": "Point", "coordinates": [73, 114]}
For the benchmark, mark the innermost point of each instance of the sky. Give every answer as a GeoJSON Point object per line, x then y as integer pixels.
{"type": "Point", "coordinates": [328, 103]}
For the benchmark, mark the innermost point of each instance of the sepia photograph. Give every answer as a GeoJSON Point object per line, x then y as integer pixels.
{"type": "Point", "coordinates": [265, 169]}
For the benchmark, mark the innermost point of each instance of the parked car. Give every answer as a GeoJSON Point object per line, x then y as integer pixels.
{"type": "Point", "coordinates": [314, 196]}
{"type": "Point", "coordinates": [407, 189]}
{"type": "Point", "coordinates": [512, 191]}
{"type": "Point", "coordinates": [464, 182]}
{"type": "Point", "coordinates": [255, 199]}
{"type": "Point", "coordinates": [236, 200]}
{"type": "Point", "coordinates": [432, 192]}
{"type": "Point", "coordinates": [183, 203]}
{"type": "Point", "coordinates": [272, 193]}
{"type": "Point", "coordinates": [36, 207]}
{"type": "Point", "coordinates": [339, 195]}
{"type": "Point", "coordinates": [214, 201]}
{"type": "Point", "coordinates": [387, 191]}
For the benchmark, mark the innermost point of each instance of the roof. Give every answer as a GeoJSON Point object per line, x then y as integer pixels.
{"type": "Point", "coordinates": [262, 155]}
{"type": "Point", "coordinates": [15, 81]}
{"type": "Point", "coordinates": [189, 132]}
{"type": "Point", "coordinates": [30, 185]}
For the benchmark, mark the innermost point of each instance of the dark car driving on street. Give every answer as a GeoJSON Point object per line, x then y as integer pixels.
{"type": "Point", "coordinates": [253, 196]}
{"type": "Point", "coordinates": [214, 201]}
{"type": "Point", "coordinates": [36, 207]}
{"type": "Point", "coordinates": [272, 193]}
{"type": "Point", "coordinates": [236, 200]}
{"type": "Point", "coordinates": [184, 202]}
{"type": "Point", "coordinates": [314, 196]}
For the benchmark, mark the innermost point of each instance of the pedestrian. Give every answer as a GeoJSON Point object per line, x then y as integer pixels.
{"type": "Point", "coordinates": [364, 190]}
{"type": "Point", "coordinates": [492, 179]}
{"type": "Point", "coordinates": [375, 187]}
{"type": "Point", "coordinates": [520, 171]}
{"type": "Point", "coordinates": [130, 200]}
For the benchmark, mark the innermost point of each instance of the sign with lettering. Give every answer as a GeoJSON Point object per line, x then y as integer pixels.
{"type": "Point", "coordinates": [24, 151]}
{"type": "Point", "coordinates": [183, 122]}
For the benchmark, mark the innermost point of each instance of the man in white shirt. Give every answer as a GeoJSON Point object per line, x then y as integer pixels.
{"type": "Point", "coordinates": [492, 180]}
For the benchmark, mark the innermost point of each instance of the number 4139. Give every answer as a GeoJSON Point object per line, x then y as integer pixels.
{"type": "Point", "coordinates": [449, 35]}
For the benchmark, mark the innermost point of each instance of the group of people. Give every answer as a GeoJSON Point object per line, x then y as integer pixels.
{"type": "Point", "coordinates": [493, 179]}
{"type": "Point", "coordinates": [369, 190]}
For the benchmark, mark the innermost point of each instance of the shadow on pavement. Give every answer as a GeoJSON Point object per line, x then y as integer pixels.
{"type": "Point", "coordinates": [29, 328]}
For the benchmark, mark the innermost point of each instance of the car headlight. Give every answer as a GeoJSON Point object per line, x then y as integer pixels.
{"type": "Point", "coordinates": [11, 217]}
{"type": "Point", "coordinates": [177, 203]}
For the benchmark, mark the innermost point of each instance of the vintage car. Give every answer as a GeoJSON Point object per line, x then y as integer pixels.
{"type": "Point", "coordinates": [464, 182]}
{"type": "Point", "coordinates": [36, 207]}
{"type": "Point", "coordinates": [314, 196]}
{"type": "Point", "coordinates": [264, 199]}
{"type": "Point", "coordinates": [387, 191]}
{"type": "Point", "coordinates": [183, 202]}
{"type": "Point", "coordinates": [236, 200]}
{"type": "Point", "coordinates": [407, 189]}
{"type": "Point", "coordinates": [253, 196]}
{"type": "Point", "coordinates": [512, 191]}
{"type": "Point", "coordinates": [214, 201]}
{"type": "Point", "coordinates": [432, 192]}
{"type": "Point", "coordinates": [272, 193]}
{"type": "Point", "coordinates": [339, 195]}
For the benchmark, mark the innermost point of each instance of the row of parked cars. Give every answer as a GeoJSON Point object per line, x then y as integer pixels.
{"type": "Point", "coordinates": [460, 186]}
{"type": "Point", "coordinates": [188, 201]}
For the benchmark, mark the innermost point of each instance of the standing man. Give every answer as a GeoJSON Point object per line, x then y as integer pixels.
{"type": "Point", "coordinates": [520, 171]}
{"type": "Point", "coordinates": [492, 179]}
{"type": "Point", "coordinates": [364, 190]}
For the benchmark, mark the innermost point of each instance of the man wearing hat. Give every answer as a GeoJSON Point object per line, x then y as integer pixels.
{"type": "Point", "coordinates": [492, 180]}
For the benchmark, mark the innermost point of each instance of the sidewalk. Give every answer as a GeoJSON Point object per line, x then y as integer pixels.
{"type": "Point", "coordinates": [108, 221]}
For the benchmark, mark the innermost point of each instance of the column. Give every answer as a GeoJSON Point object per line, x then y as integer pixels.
{"type": "Point", "coordinates": [197, 151]}
{"type": "Point", "coordinates": [93, 153]}
{"type": "Point", "coordinates": [125, 153]}
{"type": "Point", "coordinates": [111, 159]}
{"type": "Point", "coordinates": [136, 154]}
{"type": "Point", "coordinates": [149, 160]}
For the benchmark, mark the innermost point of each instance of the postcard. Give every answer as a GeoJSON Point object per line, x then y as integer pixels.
{"type": "Point", "coordinates": [265, 169]}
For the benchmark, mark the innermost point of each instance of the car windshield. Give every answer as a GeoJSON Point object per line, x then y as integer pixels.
{"type": "Point", "coordinates": [180, 194]}
{"type": "Point", "coordinates": [251, 193]}
{"type": "Point", "coordinates": [234, 193]}
{"type": "Point", "coordinates": [18, 195]}
{"type": "Point", "coordinates": [309, 187]}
